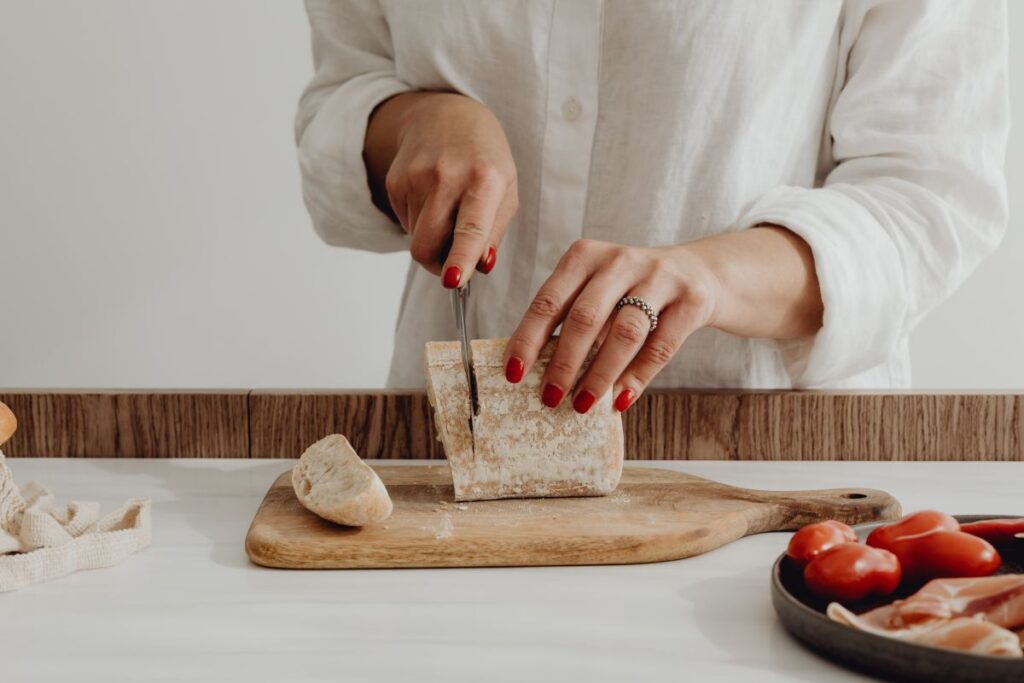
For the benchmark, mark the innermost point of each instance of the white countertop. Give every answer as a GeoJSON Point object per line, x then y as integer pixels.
{"type": "Point", "coordinates": [192, 607]}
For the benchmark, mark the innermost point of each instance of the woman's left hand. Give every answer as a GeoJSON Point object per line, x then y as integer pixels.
{"type": "Point", "coordinates": [582, 294]}
{"type": "Point", "coordinates": [758, 282]}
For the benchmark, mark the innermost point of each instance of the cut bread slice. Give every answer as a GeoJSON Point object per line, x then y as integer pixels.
{"type": "Point", "coordinates": [523, 449]}
{"type": "Point", "coordinates": [332, 481]}
{"type": "Point", "coordinates": [8, 423]}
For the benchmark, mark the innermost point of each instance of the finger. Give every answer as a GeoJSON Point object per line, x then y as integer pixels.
{"type": "Point", "coordinates": [507, 209]}
{"type": "Point", "coordinates": [413, 202]}
{"type": "Point", "coordinates": [413, 207]}
{"type": "Point", "coordinates": [546, 311]}
{"type": "Point", "coordinates": [397, 193]}
{"type": "Point", "coordinates": [431, 234]}
{"type": "Point", "coordinates": [675, 324]}
{"type": "Point", "coordinates": [603, 334]}
{"type": "Point", "coordinates": [474, 221]}
{"type": "Point", "coordinates": [587, 315]}
{"type": "Point", "coordinates": [630, 328]}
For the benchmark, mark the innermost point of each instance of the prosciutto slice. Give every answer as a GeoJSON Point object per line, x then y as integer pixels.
{"type": "Point", "coordinates": [976, 615]}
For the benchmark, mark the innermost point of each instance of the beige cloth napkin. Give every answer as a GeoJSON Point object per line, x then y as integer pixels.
{"type": "Point", "coordinates": [41, 541]}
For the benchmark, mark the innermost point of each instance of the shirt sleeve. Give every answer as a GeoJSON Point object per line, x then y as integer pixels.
{"type": "Point", "coordinates": [354, 72]}
{"type": "Point", "coordinates": [918, 194]}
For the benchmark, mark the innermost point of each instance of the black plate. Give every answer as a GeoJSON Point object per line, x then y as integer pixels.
{"type": "Point", "coordinates": [803, 615]}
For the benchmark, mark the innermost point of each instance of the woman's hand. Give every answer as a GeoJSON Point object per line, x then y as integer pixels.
{"type": "Point", "coordinates": [582, 294]}
{"type": "Point", "coordinates": [445, 166]}
{"type": "Point", "coordinates": [758, 283]}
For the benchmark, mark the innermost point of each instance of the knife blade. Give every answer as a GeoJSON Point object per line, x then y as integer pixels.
{"type": "Point", "coordinates": [459, 297]}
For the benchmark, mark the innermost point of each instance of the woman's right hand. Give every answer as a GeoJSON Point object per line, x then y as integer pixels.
{"type": "Point", "coordinates": [445, 167]}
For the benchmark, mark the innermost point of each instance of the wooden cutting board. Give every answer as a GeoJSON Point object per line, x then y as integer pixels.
{"type": "Point", "coordinates": [654, 515]}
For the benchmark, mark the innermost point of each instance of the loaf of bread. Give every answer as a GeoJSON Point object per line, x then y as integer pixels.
{"type": "Point", "coordinates": [333, 482]}
{"type": "Point", "coordinates": [8, 423]}
{"type": "Point", "coordinates": [523, 449]}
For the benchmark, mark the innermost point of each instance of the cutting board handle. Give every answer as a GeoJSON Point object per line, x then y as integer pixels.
{"type": "Point", "coordinates": [786, 510]}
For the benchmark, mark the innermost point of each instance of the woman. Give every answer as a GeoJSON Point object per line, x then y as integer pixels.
{"type": "Point", "coordinates": [728, 194]}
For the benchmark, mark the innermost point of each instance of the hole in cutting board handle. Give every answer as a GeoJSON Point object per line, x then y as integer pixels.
{"type": "Point", "coordinates": [854, 496]}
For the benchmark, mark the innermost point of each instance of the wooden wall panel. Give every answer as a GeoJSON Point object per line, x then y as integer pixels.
{"type": "Point", "coordinates": [117, 424]}
{"type": "Point", "coordinates": [681, 425]}
{"type": "Point", "coordinates": [823, 426]}
{"type": "Point", "coordinates": [379, 424]}
{"type": "Point", "coordinates": [663, 425]}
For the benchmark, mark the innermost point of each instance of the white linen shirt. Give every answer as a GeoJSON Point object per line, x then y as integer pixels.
{"type": "Point", "coordinates": [874, 129]}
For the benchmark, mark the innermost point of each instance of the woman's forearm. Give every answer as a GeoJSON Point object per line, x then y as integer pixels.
{"type": "Point", "coordinates": [765, 283]}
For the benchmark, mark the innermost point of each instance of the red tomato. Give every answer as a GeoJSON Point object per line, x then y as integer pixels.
{"type": "Point", "coordinates": [813, 539]}
{"type": "Point", "coordinates": [918, 523]}
{"type": "Point", "coordinates": [945, 554]}
{"type": "Point", "coordinates": [850, 571]}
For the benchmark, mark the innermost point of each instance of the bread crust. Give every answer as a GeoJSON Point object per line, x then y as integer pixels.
{"type": "Point", "coordinates": [8, 423]}
{"type": "Point", "coordinates": [523, 449]}
{"type": "Point", "coordinates": [333, 482]}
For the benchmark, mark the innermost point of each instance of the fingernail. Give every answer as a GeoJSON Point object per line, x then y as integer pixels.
{"type": "Point", "coordinates": [452, 277]}
{"type": "Point", "coordinates": [514, 370]}
{"type": "Point", "coordinates": [584, 400]}
{"type": "Point", "coordinates": [487, 264]}
{"type": "Point", "coordinates": [552, 396]}
{"type": "Point", "coordinates": [624, 400]}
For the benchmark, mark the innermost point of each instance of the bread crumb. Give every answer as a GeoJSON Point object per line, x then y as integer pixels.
{"type": "Point", "coordinates": [462, 506]}
{"type": "Point", "coordinates": [446, 529]}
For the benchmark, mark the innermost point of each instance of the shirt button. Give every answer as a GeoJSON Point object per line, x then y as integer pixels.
{"type": "Point", "coordinates": [571, 109]}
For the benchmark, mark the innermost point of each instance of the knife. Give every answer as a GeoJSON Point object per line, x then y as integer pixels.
{"type": "Point", "coordinates": [459, 297]}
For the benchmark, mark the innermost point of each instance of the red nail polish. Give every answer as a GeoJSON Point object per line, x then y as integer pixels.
{"type": "Point", "coordinates": [514, 370]}
{"type": "Point", "coordinates": [552, 396]}
{"type": "Point", "coordinates": [452, 277]}
{"type": "Point", "coordinates": [624, 400]}
{"type": "Point", "coordinates": [487, 265]}
{"type": "Point", "coordinates": [584, 400]}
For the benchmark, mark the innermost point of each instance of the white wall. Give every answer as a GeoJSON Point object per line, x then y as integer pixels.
{"type": "Point", "coordinates": [152, 232]}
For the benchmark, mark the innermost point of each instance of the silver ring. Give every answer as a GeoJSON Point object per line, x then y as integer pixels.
{"type": "Point", "coordinates": [643, 306]}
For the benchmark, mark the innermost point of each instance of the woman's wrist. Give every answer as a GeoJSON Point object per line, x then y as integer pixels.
{"type": "Point", "coordinates": [761, 283]}
{"type": "Point", "coordinates": [410, 106]}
